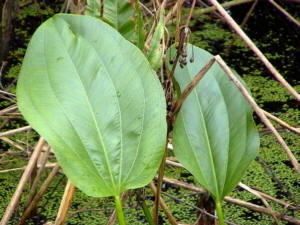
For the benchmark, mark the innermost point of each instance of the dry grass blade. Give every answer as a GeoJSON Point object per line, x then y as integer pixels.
{"type": "Point", "coordinates": [172, 163]}
{"type": "Point", "coordinates": [157, 193]}
{"type": "Point", "coordinates": [42, 160]}
{"type": "Point", "coordinates": [259, 112]}
{"type": "Point", "coordinates": [191, 86]}
{"type": "Point", "coordinates": [284, 204]}
{"type": "Point", "coordinates": [13, 169]}
{"type": "Point", "coordinates": [7, 93]}
{"type": "Point", "coordinates": [38, 195]}
{"type": "Point", "coordinates": [203, 211]}
{"type": "Point", "coordinates": [249, 13]}
{"type": "Point", "coordinates": [65, 204]}
{"type": "Point", "coordinates": [25, 177]}
{"type": "Point", "coordinates": [225, 5]}
{"type": "Point", "coordinates": [192, 187]}
{"type": "Point", "coordinates": [48, 165]}
{"type": "Point", "coordinates": [261, 209]}
{"type": "Point", "coordinates": [285, 13]}
{"type": "Point", "coordinates": [257, 194]}
{"type": "Point", "coordinates": [8, 110]}
{"type": "Point", "coordinates": [254, 48]}
{"type": "Point", "coordinates": [173, 11]}
{"type": "Point", "coordinates": [15, 131]}
{"type": "Point", "coordinates": [190, 13]}
{"type": "Point", "coordinates": [282, 123]}
{"type": "Point", "coordinates": [11, 142]}
{"type": "Point", "coordinates": [235, 201]}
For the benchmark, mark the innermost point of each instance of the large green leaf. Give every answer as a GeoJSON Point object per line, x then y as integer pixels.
{"type": "Point", "coordinates": [214, 135]}
{"type": "Point", "coordinates": [94, 97]}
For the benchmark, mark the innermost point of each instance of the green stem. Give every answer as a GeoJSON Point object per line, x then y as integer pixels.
{"type": "Point", "coordinates": [147, 213]}
{"type": "Point", "coordinates": [120, 214]}
{"type": "Point", "coordinates": [220, 213]}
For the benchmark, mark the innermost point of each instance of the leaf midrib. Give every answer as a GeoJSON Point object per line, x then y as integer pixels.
{"type": "Point", "coordinates": [46, 66]}
{"type": "Point", "coordinates": [92, 112]}
{"type": "Point", "coordinates": [207, 137]}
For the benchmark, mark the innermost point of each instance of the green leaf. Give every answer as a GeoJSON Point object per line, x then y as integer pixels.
{"type": "Point", "coordinates": [139, 26]}
{"type": "Point", "coordinates": [215, 136]}
{"type": "Point", "coordinates": [156, 49]}
{"type": "Point", "coordinates": [94, 97]}
{"type": "Point", "coordinates": [93, 8]}
{"type": "Point", "coordinates": [120, 15]}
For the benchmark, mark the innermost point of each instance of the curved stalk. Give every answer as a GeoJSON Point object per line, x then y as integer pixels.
{"type": "Point", "coordinates": [147, 213]}
{"type": "Point", "coordinates": [220, 213]}
{"type": "Point", "coordinates": [119, 209]}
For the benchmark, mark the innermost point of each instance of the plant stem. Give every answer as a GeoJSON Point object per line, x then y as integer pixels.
{"type": "Point", "coordinates": [119, 209]}
{"type": "Point", "coordinates": [220, 213]}
{"type": "Point", "coordinates": [147, 213]}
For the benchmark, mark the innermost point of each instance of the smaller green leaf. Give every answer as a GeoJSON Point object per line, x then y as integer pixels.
{"type": "Point", "coordinates": [156, 49]}
{"type": "Point", "coordinates": [215, 136]}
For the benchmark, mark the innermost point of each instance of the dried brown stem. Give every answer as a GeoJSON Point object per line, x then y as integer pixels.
{"type": "Point", "coordinates": [42, 160]}
{"type": "Point", "coordinates": [15, 131]}
{"type": "Point", "coordinates": [255, 49]}
{"type": "Point", "coordinates": [281, 122]}
{"type": "Point", "coordinates": [4, 63]}
{"type": "Point", "coordinates": [235, 201]}
{"type": "Point", "coordinates": [257, 194]}
{"type": "Point", "coordinates": [190, 13]}
{"type": "Point", "coordinates": [261, 209]}
{"type": "Point", "coordinates": [188, 186]}
{"type": "Point", "coordinates": [213, 10]}
{"type": "Point", "coordinates": [13, 169]}
{"type": "Point", "coordinates": [38, 195]}
{"type": "Point", "coordinates": [25, 177]}
{"type": "Point", "coordinates": [65, 204]}
{"type": "Point", "coordinates": [172, 163]}
{"type": "Point", "coordinates": [159, 186]}
{"type": "Point", "coordinates": [224, 5]}
{"type": "Point", "coordinates": [8, 110]}
{"type": "Point", "coordinates": [164, 206]}
{"type": "Point", "coordinates": [7, 93]}
{"type": "Point", "coordinates": [11, 142]}
{"type": "Point", "coordinates": [178, 21]}
{"type": "Point", "coordinates": [172, 12]}
{"type": "Point", "coordinates": [285, 13]}
{"type": "Point", "coordinates": [249, 13]}
{"type": "Point", "coordinates": [259, 112]}
{"type": "Point", "coordinates": [245, 20]}
{"type": "Point", "coordinates": [48, 165]}
{"type": "Point", "coordinates": [8, 13]}
{"type": "Point", "coordinates": [191, 86]}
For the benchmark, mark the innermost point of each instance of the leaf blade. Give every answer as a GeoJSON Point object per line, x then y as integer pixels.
{"type": "Point", "coordinates": [74, 41]}
{"type": "Point", "coordinates": [219, 130]}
